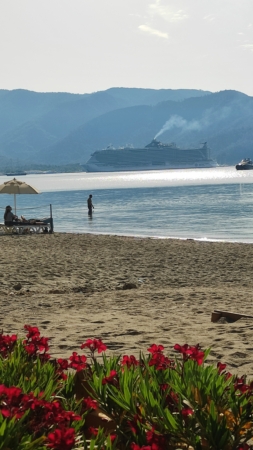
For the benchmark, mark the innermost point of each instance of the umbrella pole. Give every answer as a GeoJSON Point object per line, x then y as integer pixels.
{"type": "Point", "coordinates": [15, 209]}
{"type": "Point", "coordinates": [51, 220]}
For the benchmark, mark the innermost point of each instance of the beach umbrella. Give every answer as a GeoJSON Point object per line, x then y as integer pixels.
{"type": "Point", "coordinates": [17, 187]}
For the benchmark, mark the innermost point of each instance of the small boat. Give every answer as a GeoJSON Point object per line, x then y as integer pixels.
{"type": "Point", "coordinates": [245, 164]}
{"type": "Point", "coordinates": [13, 174]}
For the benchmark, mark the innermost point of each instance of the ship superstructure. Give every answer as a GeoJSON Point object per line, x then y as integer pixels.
{"type": "Point", "coordinates": [155, 156]}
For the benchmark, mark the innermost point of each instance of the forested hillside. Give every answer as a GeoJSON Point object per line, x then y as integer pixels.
{"type": "Point", "coordinates": [62, 128]}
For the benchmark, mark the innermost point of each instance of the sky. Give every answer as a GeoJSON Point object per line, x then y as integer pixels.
{"type": "Point", "coordinates": [84, 46]}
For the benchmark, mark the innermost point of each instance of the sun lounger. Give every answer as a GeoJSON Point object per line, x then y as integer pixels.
{"type": "Point", "coordinates": [4, 229]}
{"type": "Point", "coordinates": [30, 226]}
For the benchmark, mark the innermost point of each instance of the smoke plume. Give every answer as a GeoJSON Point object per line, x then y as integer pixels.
{"type": "Point", "coordinates": [179, 122]}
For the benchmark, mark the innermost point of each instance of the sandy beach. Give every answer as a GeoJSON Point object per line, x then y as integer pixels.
{"type": "Point", "coordinates": [129, 292]}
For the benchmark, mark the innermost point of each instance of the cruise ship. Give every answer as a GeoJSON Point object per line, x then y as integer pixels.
{"type": "Point", "coordinates": [155, 156]}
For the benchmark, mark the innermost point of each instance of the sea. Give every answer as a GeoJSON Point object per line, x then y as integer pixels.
{"type": "Point", "coordinates": [213, 204]}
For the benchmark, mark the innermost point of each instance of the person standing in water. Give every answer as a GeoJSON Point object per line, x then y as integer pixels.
{"type": "Point", "coordinates": [90, 205]}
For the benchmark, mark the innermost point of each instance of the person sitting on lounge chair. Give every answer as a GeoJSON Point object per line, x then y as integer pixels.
{"type": "Point", "coordinates": [9, 217]}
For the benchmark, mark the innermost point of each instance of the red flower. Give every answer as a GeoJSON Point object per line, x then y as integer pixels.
{"type": "Point", "coordinates": [34, 344]}
{"type": "Point", "coordinates": [241, 386]}
{"type": "Point", "coordinates": [89, 403]}
{"type": "Point", "coordinates": [7, 343]}
{"type": "Point", "coordinates": [111, 379]}
{"type": "Point", "coordinates": [181, 348]}
{"type": "Point", "coordinates": [155, 348]}
{"type": "Point", "coordinates": [93, 345]}
{"type": "Point", "coordinates": [77, 362]}
{"type": "Point", "coordinates": [13, 393]}
{"type": "Point", "coordinates": [196, 355]}
{"type": "Point", "coordinates": [221, 367]}
{"type": "Point", "coordinates": [13, 403]}
{"type": "Point", "coordinates": [187, 412]}
{"type": "Point", "coordinates": [42, 344]}
{"type": "Point", "coordinates": [30, 348]}
{"type": "Point", "coordinates": [160, 361]}
{"type": "Point", "coordinates": [228, 375]}
{"type": "Point", "coordinates": [157, 441]}
{"type": "Point", "coordinates": [69, 416]}
{"type": "Point", "coordinates": [32, 331]}
{"type": "Point", "coordinates": [63, 363]}
{"type": "Point", "coordinates": [93, 431]}
{"type": "Point", "coordinates": [61, 439]}
{"type": "Point", "coordinates": [188, 352]}
{"type": "Point", "coordinates": [129, 361]}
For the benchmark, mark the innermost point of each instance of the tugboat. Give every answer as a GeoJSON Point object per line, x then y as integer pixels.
{"type": "Point", "coordinates": [245, 164]}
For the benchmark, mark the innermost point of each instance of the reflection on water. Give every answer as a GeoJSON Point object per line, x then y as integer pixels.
{"type": "Point", "coordinates": [216, 207]}
{"type": "Point", "coordinates": [125, 180]}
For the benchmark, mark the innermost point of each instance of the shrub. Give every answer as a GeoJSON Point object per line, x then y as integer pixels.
{"type": "Point", "coordinates": [154, 402]}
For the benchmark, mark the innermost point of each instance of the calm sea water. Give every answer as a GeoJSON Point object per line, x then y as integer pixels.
{"type": "Point", "coordinates": [208, 204]}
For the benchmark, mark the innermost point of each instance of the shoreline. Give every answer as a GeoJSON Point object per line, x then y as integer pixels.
{"type": "Point", "coordinates": [98, 233]}
{"type": "Point", "coordinates": [130, 292]}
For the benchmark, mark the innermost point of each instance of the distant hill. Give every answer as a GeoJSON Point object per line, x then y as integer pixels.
{"type": "Point", "coordinates": [63, 128]}
{"type": "Point", "coordinates": [32, 121]}
{"type": "Point", "coordinates": [224, 120]}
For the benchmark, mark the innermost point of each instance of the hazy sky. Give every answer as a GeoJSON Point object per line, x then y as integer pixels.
{"type": "Point", "coordinates": [85, 46]}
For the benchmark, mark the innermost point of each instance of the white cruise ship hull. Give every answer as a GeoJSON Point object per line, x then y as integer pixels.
{"type": "Point", "coordinates": [105, 168]}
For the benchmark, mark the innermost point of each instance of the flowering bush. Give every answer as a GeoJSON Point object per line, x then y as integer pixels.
{"type": "Point", "coordinates": [154, 402]}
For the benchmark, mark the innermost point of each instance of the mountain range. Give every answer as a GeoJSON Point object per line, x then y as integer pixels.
{"type": "Point", "coordinates": [60, 129]}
